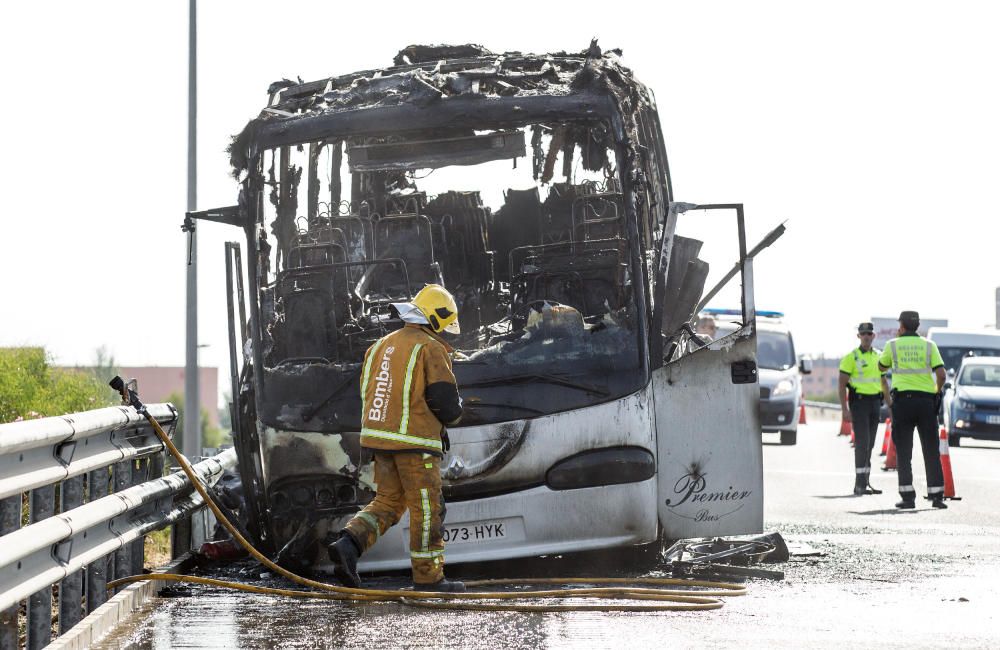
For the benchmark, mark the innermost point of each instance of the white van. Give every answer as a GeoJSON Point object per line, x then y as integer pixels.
{"type": "Point", "coordinates": [779, 372]}
{"type": "Point", "coordinates": [956, 344]}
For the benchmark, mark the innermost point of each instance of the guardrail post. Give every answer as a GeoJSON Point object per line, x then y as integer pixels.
{"type": "Point", "coordinates": [123, 556]}
{"type": "Point", "coordinates": [71, 588]}
{"type": "Point", "coordinates": [10, 520]}
{"type": "Point", "coordinates": [42, 506]}
{"type": "Point", "coordinates": [97, 571]}
{"type": "Point", "coordinates": [156, 464]}
{"type": "Point", "coordinates": [180, 538]}
{"type": "Point", "coordinates": [140, 469]}
{"type": "Point", "coordinates": [204, 520]}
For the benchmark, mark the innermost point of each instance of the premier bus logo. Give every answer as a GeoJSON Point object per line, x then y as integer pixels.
{"type": "Point", "coordinates": [383, 387]}
{"type": "Point", "coordinates": [690, 488]}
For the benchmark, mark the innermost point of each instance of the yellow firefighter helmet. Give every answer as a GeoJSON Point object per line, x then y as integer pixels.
{"type": "Point", "coordinates": [438, 306]}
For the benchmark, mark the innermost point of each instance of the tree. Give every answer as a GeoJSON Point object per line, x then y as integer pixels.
{"type": "Point", "coordinates": [210, 436]}
{"type": "Point", "coordinates": [30, 387]}
{"type": "Point", "coordinates": [225, 418]}
{"type": "Point", "coordinates": [104, 367]}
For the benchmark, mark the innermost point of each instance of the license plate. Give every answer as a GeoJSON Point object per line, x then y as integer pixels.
{"type": "Point", "coordinates": [993, 419]}
{"type": "Point", "coordinates": [479, 531]}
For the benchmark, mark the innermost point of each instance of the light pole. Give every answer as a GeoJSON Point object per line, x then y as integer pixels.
{"type": "Point", "coordinates": [191, 444]}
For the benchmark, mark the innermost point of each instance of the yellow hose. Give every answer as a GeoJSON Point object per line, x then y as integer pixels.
{"type": "Point", "coordinates": [683, 599]}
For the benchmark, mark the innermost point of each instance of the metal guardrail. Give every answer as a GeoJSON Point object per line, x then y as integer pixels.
{"type": "Point", "coordinates": [106, 467]}
{"type": "Point", "coordinates": [34, 453]}
{"type": "Point", "coordinates": [821, 405]}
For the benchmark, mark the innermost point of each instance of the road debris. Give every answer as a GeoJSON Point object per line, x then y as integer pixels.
{"type": "Point", "coordinates": [728, 557]}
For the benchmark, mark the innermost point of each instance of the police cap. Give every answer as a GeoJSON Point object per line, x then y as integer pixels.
{"type": "Point", "coordinates": [909, 320]}
{"type": "Point", "coordinates": [866, 327]}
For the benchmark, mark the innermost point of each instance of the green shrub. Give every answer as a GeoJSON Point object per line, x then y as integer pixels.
{"type": "Point", "coordinates": [210, 436]}
{"type": "Point", "coordinates": [30, 387]}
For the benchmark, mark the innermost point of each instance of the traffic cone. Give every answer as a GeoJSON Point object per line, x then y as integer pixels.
{"type": "Point", "coordinates": [949, 479]}
{"type": "Point", "coordinates": [887, 437]}
{"type": "Point", "coordinates": [845, 428]}
{"type": "Point", "coordinates": [890, 457]}
{"type": "Point", "coordinates": [802, 413]}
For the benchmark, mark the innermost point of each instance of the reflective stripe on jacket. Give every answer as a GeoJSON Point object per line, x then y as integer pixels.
{"type": "Point", "coordinates": [862, 367]}
{"type": "Point", "coordinates": [397, 370]}
{"type": "Point", "coordinates": [912, 359]}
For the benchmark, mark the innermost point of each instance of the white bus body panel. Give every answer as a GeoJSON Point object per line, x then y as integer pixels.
{"type": "Point", "coordinates": [710, 464]}
{"type": "Point", "coordinates": [536, 520]}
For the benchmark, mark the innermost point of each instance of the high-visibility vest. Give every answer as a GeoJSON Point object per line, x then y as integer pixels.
{"type": "Point", "coordinates": [866, 378]}
{"type": "Point", "coordinates": [912, 360]}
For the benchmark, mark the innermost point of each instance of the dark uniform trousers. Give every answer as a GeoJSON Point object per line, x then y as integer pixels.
{"type": "Point", "coordinates": [916, 409]}
{"type": "Point", "coordinates": [864, 420]}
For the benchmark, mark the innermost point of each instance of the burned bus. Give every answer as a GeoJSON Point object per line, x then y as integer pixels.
{"type": "Point", "coordinates": [536, 189]}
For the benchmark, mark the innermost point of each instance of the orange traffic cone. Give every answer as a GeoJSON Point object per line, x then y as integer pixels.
{"type": "Point", "coordinates": [845, 428]}
{"type": "Point", "coordinates": [802, 413]}
{"type": "Point", "coordinates": [887, 437]}
{"type": "Point", "coordinates": [949, 480]}
{"type": "Point", "coordinates": [890, 457]}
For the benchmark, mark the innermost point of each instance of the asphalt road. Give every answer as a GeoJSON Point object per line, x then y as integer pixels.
{"type": "Point", "coordinates": [885, 578]}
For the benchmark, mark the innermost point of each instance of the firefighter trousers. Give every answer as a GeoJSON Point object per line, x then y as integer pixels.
{"type": "Point", "coordinates": [909, 411]}
{"type": "Point", "coordinates": [407, 480]}
{"type": "Point", "coordinates": [864, 420]}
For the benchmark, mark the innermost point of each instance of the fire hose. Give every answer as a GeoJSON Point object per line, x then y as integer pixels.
{"type": "Point", "coordinates": [686, 594]}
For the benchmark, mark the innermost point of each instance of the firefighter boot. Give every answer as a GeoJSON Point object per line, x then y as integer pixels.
{"type": "Point", "coordinates": [906, 504]}
{"type": "Point", "coordinates": [443, 585]}
{"type": "Point", "coordinates": [938, 503]}
{"type": "Point", "coordinates": [345, 553]}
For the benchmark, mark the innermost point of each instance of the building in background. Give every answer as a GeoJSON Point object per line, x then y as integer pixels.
{"type": "Point", "coordinates": [822, 382]}
{"type": "Point", "coordinates": [887, 328]}
{"type": "Point", "coordinates": [156, 383]}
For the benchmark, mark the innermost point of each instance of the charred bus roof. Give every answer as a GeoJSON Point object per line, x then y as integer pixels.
{"type": "Point", "coordinates": [549, 259]}
{"type": "Point", "coordinates": [456, 87]}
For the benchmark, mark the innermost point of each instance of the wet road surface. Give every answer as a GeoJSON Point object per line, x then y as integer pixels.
{"type": "Point", "coordinates": [886, 579]}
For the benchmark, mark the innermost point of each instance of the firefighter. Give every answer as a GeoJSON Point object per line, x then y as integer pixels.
{"type": "Point", "coordinates": [862, 389]}
{"type": "Point", "coordinates": [409, 394]}
{"type": "Point", "coordinates": [918, 377]}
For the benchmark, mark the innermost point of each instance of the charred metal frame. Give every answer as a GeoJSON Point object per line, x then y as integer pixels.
{"type": "Point", "coordinates": [457, 112]}
{"type": "Point", "coordinates": [592, 88]}
{"type": "Point", "coordinates": [290, 120]}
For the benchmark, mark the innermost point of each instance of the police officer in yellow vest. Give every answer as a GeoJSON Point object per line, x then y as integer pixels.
{"type": "Point", "coordinates": [409, 394]}
{"type": "Point", "coordinates": [918, 376]}
{"type": "Point", "coordinates": [862, 388]}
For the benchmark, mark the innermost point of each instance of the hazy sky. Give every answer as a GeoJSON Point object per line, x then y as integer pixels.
{"type": "Point", "coordinates": [872, 127]}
